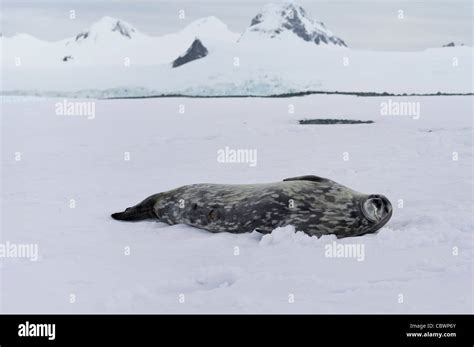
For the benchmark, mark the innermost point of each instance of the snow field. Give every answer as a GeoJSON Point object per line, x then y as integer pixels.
{"type": "Point", "coordinates": [183, 269]}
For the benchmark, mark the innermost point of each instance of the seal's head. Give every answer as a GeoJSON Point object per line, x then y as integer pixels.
{"type": "Point", "coordinates": [377, 209]}
{"type": "Point", "coordinates": [339, 210]}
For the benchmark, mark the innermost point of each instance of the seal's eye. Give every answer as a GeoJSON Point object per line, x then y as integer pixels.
{"type": "Point", "coordinates": [376, 208]}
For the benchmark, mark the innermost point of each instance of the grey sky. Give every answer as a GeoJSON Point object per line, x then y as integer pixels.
{"type": "Point", "coordinates": [362, 24]}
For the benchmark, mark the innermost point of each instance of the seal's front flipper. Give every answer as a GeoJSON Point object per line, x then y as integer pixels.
{"type": "Point", "coordinates": [262, 231]}
{"type": "Point", "coordinates": [311, 178]}
{"type": "Point", "coordinates": [119, 215]}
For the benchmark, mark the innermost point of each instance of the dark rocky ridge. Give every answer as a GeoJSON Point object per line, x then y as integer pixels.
{"type": "Point", "coordinates": [123, 30]}
{"type": "Point", "coordinates": [196, 51]}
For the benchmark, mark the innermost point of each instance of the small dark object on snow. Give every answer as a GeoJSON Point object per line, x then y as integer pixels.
{"type": "Point", "coordinates": [334, 121]}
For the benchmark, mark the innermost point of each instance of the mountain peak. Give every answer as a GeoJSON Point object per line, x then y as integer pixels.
{"type": "Point", "coordinates": [107, 25]}
{"type": "Point", "coordinates": [210, 28]}
{"type": "Point", "coordinates": [275, 19]}
{"type": "Point", "coordinates": [210, 20]}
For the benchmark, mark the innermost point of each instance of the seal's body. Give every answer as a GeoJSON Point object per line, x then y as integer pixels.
{"type": "Point", "coordinates": [314, 205]}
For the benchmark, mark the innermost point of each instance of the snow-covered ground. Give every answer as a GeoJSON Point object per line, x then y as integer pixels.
{"type": "Point", "coordinates": [421, 261]}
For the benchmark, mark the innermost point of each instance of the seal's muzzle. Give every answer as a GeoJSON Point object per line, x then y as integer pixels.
{"type": "Point", "coordinates": [377, 209]}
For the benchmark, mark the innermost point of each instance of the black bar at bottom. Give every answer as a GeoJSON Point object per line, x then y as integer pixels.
{"type": "Point", "coordinates": [59, 330]}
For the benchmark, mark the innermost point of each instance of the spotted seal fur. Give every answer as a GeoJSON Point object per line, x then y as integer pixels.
{"type": "Point", "coordinates": [314, 205]}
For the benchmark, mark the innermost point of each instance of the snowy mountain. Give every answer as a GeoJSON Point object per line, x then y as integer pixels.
{"type": "Point", "coordinates": [106, 28]}
{"type": "Point", "coordinates": [209, 29]}
{"type": "Point", "coordinates": [278, 20]}
{"type": "Point", "coordinates": [282, 51]}
{"type": "Point", "coordinates": [114, 42]}
{"type": "Point", "coordinates": [107, 41]}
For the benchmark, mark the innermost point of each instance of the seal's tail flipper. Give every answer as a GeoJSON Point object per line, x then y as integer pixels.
{"type": "Point", "coordinates": [132, 214]}
{"type": "Point", "coordinates": [142, 211]}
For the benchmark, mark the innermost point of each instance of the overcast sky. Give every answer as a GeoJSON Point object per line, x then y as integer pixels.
{"type": "Point", "coordinates": [361, 24]}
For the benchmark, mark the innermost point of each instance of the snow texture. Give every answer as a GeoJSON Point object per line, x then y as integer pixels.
{"type": "Point", "coordinates": [424, 254]}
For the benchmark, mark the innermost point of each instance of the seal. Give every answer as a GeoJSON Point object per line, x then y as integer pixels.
{"type": "Point", "coordinates": [312, 204]}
